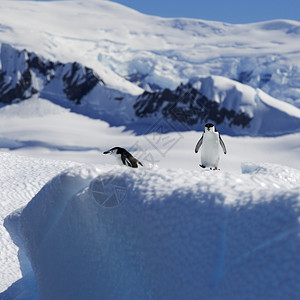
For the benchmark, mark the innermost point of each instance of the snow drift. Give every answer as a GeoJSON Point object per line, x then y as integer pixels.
{"type": "Point", "coordinates": [166, 234]}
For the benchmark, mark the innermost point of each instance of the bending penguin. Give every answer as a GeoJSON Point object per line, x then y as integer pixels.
{"type": "Point", "coordinates": [123, 157]}
{"type": "Point", "coordinates": [210, 141]}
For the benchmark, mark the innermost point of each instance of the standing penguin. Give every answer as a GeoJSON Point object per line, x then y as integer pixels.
{"type": "Point", "coordinates": [123, 157]}
{"type": "Point", "coordinates": [210, 141]}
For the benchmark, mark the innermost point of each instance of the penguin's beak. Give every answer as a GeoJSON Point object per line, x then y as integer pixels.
{"type": "Point", "coordinates": [107, 152]}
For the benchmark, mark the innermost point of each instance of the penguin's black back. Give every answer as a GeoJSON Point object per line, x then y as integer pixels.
{"type": "Point", "coordinates": [127, 157]}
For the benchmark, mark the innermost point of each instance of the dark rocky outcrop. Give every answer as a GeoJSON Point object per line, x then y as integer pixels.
{"type": "Point", "coordinates": [24, 74]}
{"type": "Point", "coordinates": [187, 106]}
{"type": "Point", "coordinates": [78, 86]}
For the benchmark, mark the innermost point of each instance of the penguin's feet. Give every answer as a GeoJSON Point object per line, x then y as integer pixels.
{"type": "Point", "coordinates": [215, 169]}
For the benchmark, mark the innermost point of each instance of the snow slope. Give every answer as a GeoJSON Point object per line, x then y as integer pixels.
{"type": "Point", "coordinates": [38, 128]}
{"type": "Point", "coordinates": [236, 108]}
{"type": "Point", "coordinates": [20, 179]}
{"type": "Point", "coordinates": [163, 234]}
{"type": "Point", "coordinates": [49, 137]}
{"type": "Point", "coordinates": [119, 43]}
{"type": "Point", "coordinates": [267, 113]}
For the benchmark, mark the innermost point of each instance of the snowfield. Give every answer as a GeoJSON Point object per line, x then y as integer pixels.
{"type": "Point", "coordinates": [75, 226]}
{"type": "Point", "coordinates": [38, 128]}
{"type": "Point", "coordinates": [168, 229]}
{"type": "Point", "coordinates": [160, 234]}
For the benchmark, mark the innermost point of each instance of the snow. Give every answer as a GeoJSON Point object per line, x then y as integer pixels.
{"type": "Point", "coordinates": [238, 225]}
{"type": "Point", "coordinates": [117, 41]}
{"type": "Point", "coordinates": [21, 178]}
{"type": "Point", "coordinates": [175, 234]}
{"type": "Point", "coordinates": [254, 112]}
{"type": "Point", "coordinates": [73, 225]}
{"type": "Point", "coordinates": [226, 91]}
{"type": "Point", "coordinates": [38, 128]}
{"type": "Point", "coordinates": [270, 116]}
{"type": "Point", "coordinates": [289, 109]}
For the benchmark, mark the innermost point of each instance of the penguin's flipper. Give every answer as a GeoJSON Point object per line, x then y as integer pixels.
{"type": "Point", "coordinates": [126, 161]}
{"type": "Point", "coordinates": [222, 144]}
{"type": "Point", "coordinates": [134, 162]}
{"type": "Point", "coordinates": [130, 161]}
{"type": "Point", "coordinates": [199, 144]}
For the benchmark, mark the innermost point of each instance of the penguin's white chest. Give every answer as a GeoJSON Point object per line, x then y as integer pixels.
{"type": "Point", "coordinates": [210, 153]}
{"type": "Point", "coordinates": [118, 160]}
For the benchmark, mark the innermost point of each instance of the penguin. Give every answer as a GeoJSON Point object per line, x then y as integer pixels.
{"type": "Point", "coordinates": [123, 157]}
{"type": "Point", "coordinates": [210, 141]}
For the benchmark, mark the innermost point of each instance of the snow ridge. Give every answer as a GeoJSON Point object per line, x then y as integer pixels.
{"type": "Point", "coordinates": [236, 108]}
{"type": "Point", "coordinates": [17, 189]}
{"type": "Point", "coordinates": [176, 234]}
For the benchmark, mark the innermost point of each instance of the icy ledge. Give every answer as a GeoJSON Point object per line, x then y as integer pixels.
{"type": "Point", "coordinates": [166, 234]}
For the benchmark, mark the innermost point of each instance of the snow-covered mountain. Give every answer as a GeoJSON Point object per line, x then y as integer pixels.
{"type": "Point", "coordinates": [140, 58]}
{"type": "Point", "coordinates": [120, 43]}
{"type": "Point", "coordinates": [236, 108]}
{"type": "Point", "coordinates": [24, 74]}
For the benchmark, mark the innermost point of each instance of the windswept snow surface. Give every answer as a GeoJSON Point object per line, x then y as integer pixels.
{"type": "Point", "coordinates": [20, 179]}
{"type": "Point", "coordinates": [119, 233]}
{"type": "Point", "coordinates": [202, 213]}
{"type": "Point", "coordinates": [38, 128]}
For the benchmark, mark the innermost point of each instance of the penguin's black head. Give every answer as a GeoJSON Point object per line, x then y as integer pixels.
{"type": "Point", "coordinates": [209, 126]}
{"type": "Point", "coordinates": [114, 150]}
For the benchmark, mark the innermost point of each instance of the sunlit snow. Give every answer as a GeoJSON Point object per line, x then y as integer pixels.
{"type": "Point", "coordinates": [117, 41]}
{"type": "Point", "coordinates": [73, 225]}
{"type": "Point", "coordinates": [196, 250]}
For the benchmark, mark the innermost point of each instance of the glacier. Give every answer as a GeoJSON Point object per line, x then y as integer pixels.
{"type": "Point", "coordinates": [175, 234]}
{"type": "Point", "coordinates": [120, 44]}
{"type": "Point", "coordinates": [236, 108]}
